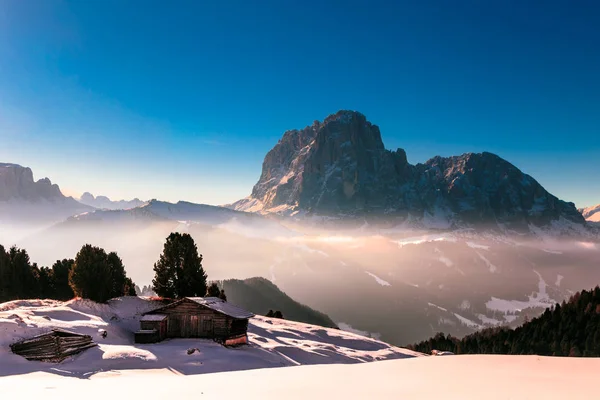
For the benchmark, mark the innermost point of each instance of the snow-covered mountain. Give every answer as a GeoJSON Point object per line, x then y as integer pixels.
{"type": "Point", "coordinates": [592, 213]}
{"type": "Point", "coordinates": [103, 202]}
{"type": "Point", "coordinates": [340, 168]}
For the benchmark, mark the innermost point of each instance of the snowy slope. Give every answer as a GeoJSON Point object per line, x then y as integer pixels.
{"type": "Point", "coordinates": [451, 378]}
{"type": "Point", "coordinates": [592, 214]}
{"type": "Point", "coordinates": [273, 342]}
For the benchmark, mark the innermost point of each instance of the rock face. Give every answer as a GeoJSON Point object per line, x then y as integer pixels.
{"type": "Point", "coordinates": [25, 202]}
{"type": "Point", "coordinates": [16, 183]}
{"type": "Point", "coordinates": [105, 203]}
{"type": "Point", "coordinates": [340, 168]}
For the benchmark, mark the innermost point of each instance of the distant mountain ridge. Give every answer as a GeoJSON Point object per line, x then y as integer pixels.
{"type": "Point", "coordinates": [104, 202]}
{"type": "Point", "coordinates": [341, 168]}
{"type": "Point", "coordinates": [17, 183]}
{"type": "Point", "coordinates": [592, 213]}
{"type": "Point", "coordinates": [22, 199]}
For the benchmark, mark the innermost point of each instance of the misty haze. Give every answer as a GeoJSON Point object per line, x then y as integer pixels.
{"type": "Point", "coordinates": [178, 205]}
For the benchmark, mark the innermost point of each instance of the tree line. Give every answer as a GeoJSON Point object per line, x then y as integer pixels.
{"type": "Point", "coordinates": [568, 329]}
{"type": "Point", "coordinates": [99, 276]}
{"type": "Point", "coordinates": [93, 274]}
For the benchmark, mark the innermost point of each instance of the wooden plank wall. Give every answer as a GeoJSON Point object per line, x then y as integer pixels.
{"type": "Point", "coordinates": [190, 319]}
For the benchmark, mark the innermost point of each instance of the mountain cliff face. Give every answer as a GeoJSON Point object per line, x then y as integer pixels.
{"type": "Point", "coordinates": [16, 183]}
{"type": "Point", "coordinates": [340, 167]}
{"type": "Point", "coordinates": [23, 200]}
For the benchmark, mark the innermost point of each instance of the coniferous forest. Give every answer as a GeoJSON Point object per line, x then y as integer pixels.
{"type": "Point", "coordinates": [93, 274]}
{"type": "Point", "coordinates": [568, 329]}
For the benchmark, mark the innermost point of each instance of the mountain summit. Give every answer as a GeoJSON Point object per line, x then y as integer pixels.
{"type": "Point", "coordinates": [340, 167]}
{"type": "Point", "coordinates": [16, 183]}
{"type": "Point", "coordinates": [24, 200]}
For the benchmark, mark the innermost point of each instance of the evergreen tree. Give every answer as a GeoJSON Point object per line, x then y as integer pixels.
{"type": "Point", "coordinates": [60, 279]}
{"type": "Point", "coordinates": [278, 314]}
{"type": "Point", "coordinates": [91, 275]}
{"type": "Point", "coordinates": [117, 275]}
{"type": "Point", "coordinates": [213, 290]}
{"type": "Point", "coordinates": [5, 275]}
{"type": "Point", "coordinates": [45, 285]}
{"type": "Point", "coordinates": [222, 295]}
{"type": "Point", "coordinates": [178, 272]}
{"type": "Point", "coordinates": [129, 288]}
{"type": "Point", "coordinates": [270, 314]}
{"type": "Point", "coordinates": [19, 278]}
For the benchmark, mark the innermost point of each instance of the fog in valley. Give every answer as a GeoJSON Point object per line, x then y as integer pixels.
{"type": "Point", "coordinates": [398, 284]}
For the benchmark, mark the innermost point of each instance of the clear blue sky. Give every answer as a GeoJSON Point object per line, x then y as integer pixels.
{"type": "Point", "coordinates": [182, 99]}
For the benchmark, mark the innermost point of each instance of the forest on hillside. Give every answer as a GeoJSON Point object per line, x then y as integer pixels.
{"type": "Point", "coordinates": [568, 329]}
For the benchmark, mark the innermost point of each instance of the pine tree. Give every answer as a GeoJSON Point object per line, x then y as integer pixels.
{"type": "Point", "coordinates": [222, 295]}
{"type": "Point", "coordinates": [91, 276]}
{"type": "Point", "coordinates": [60, 279]}
{"type": "Point", "coordinates": [129, 288]}
{"type": "Point", "coordinates": [179, 272]}
{"type": "Point", "coordinates": [45, 284]}
{"type": "Point", "coordinates": [5, 275]}
{"type": "Point", "coordinates": [21, 277]}
{"type": "Point", "coordinates": [117, 275]}
{"type": "Point", "coordinates": [213, 290]}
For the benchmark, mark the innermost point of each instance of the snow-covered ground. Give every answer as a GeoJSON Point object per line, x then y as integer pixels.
{"type": "Point", "coordinates": [451, 377]}
{"type": "Point", "coordinates": [318, 357]}
{"type": "Point", "coordinates": [273, 342]}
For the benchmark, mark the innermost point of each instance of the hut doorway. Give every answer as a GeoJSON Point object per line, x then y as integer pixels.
{"type": "Point", "coordinates": [206, 328]}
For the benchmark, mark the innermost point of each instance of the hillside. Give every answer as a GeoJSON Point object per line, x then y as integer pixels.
{"type": "Point", "coordinates": [260, 295]}
{"type": "Point", "coordinates": [272, 342]}
{"type": "Point", "coordinates": [570, 329]}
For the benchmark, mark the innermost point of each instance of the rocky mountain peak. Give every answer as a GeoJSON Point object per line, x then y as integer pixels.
{"type": "Point", "coordinates": [16, 183]}
{"type": "Point", "coordinates": [340, 167]}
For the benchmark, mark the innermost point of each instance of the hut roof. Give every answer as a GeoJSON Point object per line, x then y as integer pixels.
{"type": "Point", "coordinates": [223, 307]}
{"type": "Point", "coordinates": [214, 303]}
{"type": "Point", "coordinates": [153, 317]}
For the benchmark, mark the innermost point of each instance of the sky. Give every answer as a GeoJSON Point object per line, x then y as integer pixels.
{"type": "Point", "coordinates": [181, 100]}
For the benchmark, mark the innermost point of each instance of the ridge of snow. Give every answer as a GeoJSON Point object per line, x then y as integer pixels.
{"type": "Point", "coordinates": [378, 279]}
{"type": "Point", "coordinates": [438, 307]}
{"type": "Point", "coordinates": [467, 322]}
{"type": "Point", "coordinates": [487, 262]}
{"type": "Point", "coordinates": [477, 246]}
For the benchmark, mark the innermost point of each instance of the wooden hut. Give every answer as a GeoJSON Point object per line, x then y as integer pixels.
{"type": "Point", "coordinates": [55, 345]}
{"type": "Point", "coordinates": [196, 317]}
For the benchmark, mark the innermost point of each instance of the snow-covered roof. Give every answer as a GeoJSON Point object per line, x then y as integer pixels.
{"type": "Point", "coordinates": [153, 317]}
{"type": "Point", "coordinates": [214, 303]}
